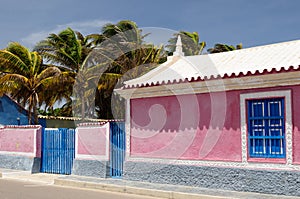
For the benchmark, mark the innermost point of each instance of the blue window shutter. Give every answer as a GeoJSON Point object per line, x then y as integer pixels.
{"type": "Point", "coordinates": [266, 136]}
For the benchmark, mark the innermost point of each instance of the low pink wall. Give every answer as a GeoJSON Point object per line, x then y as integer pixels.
{"type": "Point", "coordinates": [21, 140]}
{"type": "Point", "coordinates": [193, 127]}
{"type": "Point", "coordinates": [92, 141]}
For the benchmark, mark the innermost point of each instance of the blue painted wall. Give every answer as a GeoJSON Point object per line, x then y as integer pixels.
{"type": "Point", "coordinates": [10, 111]}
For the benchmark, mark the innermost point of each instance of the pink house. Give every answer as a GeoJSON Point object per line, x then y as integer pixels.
{"type": "Point", "coordinates": [228, 120]}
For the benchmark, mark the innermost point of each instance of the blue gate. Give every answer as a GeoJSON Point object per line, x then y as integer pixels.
{"type": "Point", "coordinates": [117, 154]}
{"type": "Point", "coordinates": [58, 150]}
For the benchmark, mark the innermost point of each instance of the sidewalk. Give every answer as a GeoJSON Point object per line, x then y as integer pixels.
{"type": "Point", "coordinates": [26, 176]}
{"type": "Point", "coordinates": [132, 187]}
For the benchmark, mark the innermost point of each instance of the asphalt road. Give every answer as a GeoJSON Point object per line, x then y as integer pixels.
{"type": "Point", "coordinates": [10, 189]}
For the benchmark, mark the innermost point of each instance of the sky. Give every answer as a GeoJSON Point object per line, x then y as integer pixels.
{"type": "Point", "coordinates": [252, 23]}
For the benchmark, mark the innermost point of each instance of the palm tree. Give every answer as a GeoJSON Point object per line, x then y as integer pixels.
{"type": "Point", "coordinates": [68, 50]}
{"type": "Point", "coordinates": [126, 56]}
{"type": "Point", "coordinates": [123, 47]}
{"type": "Point", "coordinates": [123, 67]}
{"type": "Point", "coordinates": [125, 30]}
{"type": "Point", "coordinates": [97, 62]}
{"type": "Point", "coordinates": [190, 43]}
{"type": "Point", "coordinates": [26, 78]}
{"type": "Point", "coordinates": [224, 48]}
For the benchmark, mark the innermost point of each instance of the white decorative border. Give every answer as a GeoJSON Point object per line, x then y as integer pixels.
{"type": "Point", "coordinates": [35, 142]}
{"type": "Point", "coordinates": [288, 120]}
{"type": "Point", "coordinates": [127, 128]}
{"type": "Point", "coordinates": [93, 157]}
{"type": "Point", "coordinates": [214, 85]}
{"type": "Point", "coordinates": [224, 164]}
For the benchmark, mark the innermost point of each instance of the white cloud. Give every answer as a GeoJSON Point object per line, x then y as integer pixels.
{"type": "Point", "coordinates": [85, 27]}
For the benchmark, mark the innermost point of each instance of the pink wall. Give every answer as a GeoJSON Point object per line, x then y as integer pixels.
{"type": "Point", "coordinates": [194, 127]}
{"type": "Point", "coordinates": [20, 140]}
{"type": "Point", "coordinates": [197, 127]}
{"type": "Point", "coordinates": [92, 141]}
{"type": "Point", "coordinates": [296, 123]}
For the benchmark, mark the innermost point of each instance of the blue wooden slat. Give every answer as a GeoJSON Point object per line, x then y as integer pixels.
{"type": "Point", "coordinates": [56, 166]}
{"type": "Point", "coordinates": [54, 142]}
{"type": "Point", "coordinates": [50, 152]}
{"type": "Point", "coordinates": [118, 153]}
{"type": "Point", "coordinates": [66, 151]}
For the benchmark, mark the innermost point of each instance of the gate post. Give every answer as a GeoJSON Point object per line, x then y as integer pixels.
{"type": "Point", "coordinates": [92, 150]}
{"type": "Point", "coordinates": [117, 149]}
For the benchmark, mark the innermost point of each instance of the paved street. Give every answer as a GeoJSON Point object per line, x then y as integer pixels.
{"type": "Point", "coordinates": [10, 189]}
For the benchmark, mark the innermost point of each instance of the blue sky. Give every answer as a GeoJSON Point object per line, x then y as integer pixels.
{"type": "Point", "coordinates": [252, 23]}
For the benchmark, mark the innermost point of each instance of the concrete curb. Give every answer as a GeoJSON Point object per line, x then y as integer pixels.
{"type": "Point", "coordinates": [133, 190]}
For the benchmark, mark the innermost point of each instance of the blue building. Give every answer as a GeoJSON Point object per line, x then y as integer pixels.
{"type": "Point", "coordinates": [11, 113]}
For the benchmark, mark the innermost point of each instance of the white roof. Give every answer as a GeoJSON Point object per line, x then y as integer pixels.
{"type": "Point", "coordinates": [280, 56]}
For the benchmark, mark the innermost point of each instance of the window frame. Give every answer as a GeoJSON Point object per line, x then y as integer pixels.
{"type": "Point", "coordinates": [266, 139]}
{"type": "Point", "coordinates": [286, 94]}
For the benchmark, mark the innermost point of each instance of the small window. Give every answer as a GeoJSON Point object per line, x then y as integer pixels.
{"type": "Point", "coordinates": [1, 106]}
{"type": "Point", "coordinates": [266, 131]}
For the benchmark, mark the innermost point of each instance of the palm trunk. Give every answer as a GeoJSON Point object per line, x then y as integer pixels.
{"type": "Point", "coordinates": [82, 108]}
{"type": "Point", "coordinates": [29, 117]}
{"type": "Point", "coordinates": [34, 107]}
{"type": "Point", "coordinates": [35, 115]}
{"type": "Point", "coordinates": [29, 110]}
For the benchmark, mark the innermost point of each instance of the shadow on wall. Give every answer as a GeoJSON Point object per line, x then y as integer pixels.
{"type": "Point", "coordinates": [186, 112]}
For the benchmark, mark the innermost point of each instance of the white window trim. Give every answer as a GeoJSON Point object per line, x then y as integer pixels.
{"type": "Point", "coordinates": [288, 120]}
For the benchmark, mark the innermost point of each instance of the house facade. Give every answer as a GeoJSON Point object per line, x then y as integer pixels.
{"type": "Point", "coordinates": [11, 113]}
{"type": "Point", "coordinates": [226, 120]}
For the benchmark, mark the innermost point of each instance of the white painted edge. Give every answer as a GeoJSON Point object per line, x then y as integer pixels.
{"type": "Point", "coordinates": [27, 154]}
{"type": "Point", "coordinates": [212, 163]}
{"type": "Point", "coordinates": [127, 129]}
{"type": "Point", "coordinates": [76, 143]}
{"type": "Point", "coordinates": [107, 126]}
{"type": "Point", "coordinates": [52, 129]}
{"type": "Point", "coordinates": [34, 142]}
{"type": "Point", "coordinates": [92, 157]}
{"type": "Point", "coordinates": [91, 126]}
